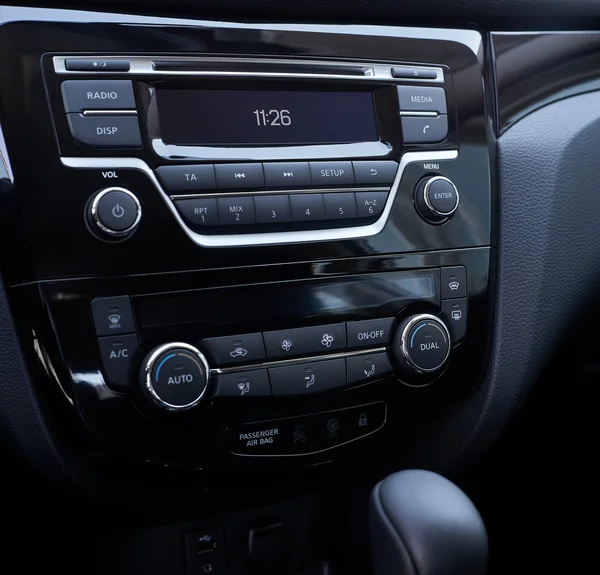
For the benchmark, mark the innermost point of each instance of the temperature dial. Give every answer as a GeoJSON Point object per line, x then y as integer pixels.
{"type": "Point", "coordinates": [175, 376]}
{"type": "Point", "coordinates": [422, 345]}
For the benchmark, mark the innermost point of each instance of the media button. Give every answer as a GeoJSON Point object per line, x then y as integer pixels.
{"type": "Point", "coordinates": [309, 377]}
{"type": "Point", "coordinates": [235, 176]}
{"type": "Point", "coordinates": [340, 206]}
{"type": "Point", "coordinates": [272, 209]}
{"type": "Point", "coordinates": [422, 99]}
{"type": "Point", "coordinates": [187, 178]}
{"type": "Point", "coordinates": [380, 172]}
{"type": "Point", "coordinates": [79, 95]}
{"type": "Point", "coordinates": [287, 175]}
{"type": "Point", "coordinates": [370, 204]}
{"type": "Point", "coordinates": [370, 332]}
{"type": "Point", "coordinates": [325, 174]}
{"type": "Point", "coordinates": [198, 212]}
{"type": "Point", "coordinates": [244, 384]}
{"type": "Point", "coordinates": [236, 211]}
{"type": "Point", "coordinates": [307, 207]}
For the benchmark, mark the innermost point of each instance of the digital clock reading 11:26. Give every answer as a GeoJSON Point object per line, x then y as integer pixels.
{"type": "Point", "coordinates": [273, 117]}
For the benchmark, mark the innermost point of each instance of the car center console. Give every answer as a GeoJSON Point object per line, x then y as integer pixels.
{"type": "Point", "coordinates": [246, 245]}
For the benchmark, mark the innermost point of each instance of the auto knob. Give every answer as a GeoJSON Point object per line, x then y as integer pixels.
{"type": "Point", "coordinates": [114, 214]}
{"type": "Point", "coordinates": [436, 199]}
{"type": "Point", "coordinates": [175, 376]}
{"type": "Point", "coordinates": [421, 347]}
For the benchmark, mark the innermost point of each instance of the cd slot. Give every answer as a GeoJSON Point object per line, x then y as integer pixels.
{"type": "Point", "coordinates": [250, 67]}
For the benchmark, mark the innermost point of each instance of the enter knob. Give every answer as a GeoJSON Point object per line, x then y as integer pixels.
{"type": "Point", "coordinates": [422, 345]}
{"type": "Point", "coordinates": [175, 376]}
{"type": "Point", "coordinates": [436, 199]}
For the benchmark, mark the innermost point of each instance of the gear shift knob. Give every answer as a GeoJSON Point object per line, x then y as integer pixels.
{"type": "Point", "coordinates": [423, 524]}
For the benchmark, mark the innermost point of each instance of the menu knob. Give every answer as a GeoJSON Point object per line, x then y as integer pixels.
{"type": "Point", "coordinates": [436, 199]}
{"type": "Point", "coordinates": [175, 376]}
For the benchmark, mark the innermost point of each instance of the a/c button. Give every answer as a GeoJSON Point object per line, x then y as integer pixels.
{"type": "Point", "coordinates": [370, 333]}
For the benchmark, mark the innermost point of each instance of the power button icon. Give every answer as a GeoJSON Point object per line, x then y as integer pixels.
{"type": "Point", "coordinates": [114, 213]}
{"type": "Point", "coordinates": [118, 211]}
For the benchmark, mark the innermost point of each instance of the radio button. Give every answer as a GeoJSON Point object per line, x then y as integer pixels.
{"type": "Point", "coordinates": [198, 212]}
{"type": "Point", "coordinates": [236, 211]}
{"type": "Point", "coordinates": [187, 178]}
{"type": "Point", "coordinates": [239, 176]}
{"type": "Point", "coordinates": [370, 204]}
{"type": "Point", "coordinates": [305, 378]}
{"type": "Point", "coordinates": [105, 131]}
{"type": "Point", "coordinates": [244, 384]}
{"type": "Point", "coordinates": [307, 207]}
{"type": "Point", "coordinates": [340, 206]}
{"type": "Point", "coordinates": [272, 209]}
{"type": "Point", "coordinates": [370, 332]}
{"type": "Point", "coordinates": [365, 368]}
{"type": "Point", "coordinates": [422, 99]}
{"type": "Point", "coordinates": [305, 341]}
{"type": "Point", "coordinates": [331, 173]}
{"type": "Point", "coordinates": [79, 95]}
{"type": "Point", "coordinates": [287, 174]}
{"type": "Point", "coordinates": [235, 349]}
{"type": "Point", "coordinates": [382, 172]}
{"type": "Point", "coordinates": [424, 130]}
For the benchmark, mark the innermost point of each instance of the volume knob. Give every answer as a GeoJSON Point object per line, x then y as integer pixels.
{"type": "Point", "coordinates": [114, 214]}
{"type": "Point", "coordinates": [175, 376]}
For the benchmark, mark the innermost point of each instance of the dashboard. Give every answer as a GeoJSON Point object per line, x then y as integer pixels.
{"type": "Point", "coordinates": [283, 250]}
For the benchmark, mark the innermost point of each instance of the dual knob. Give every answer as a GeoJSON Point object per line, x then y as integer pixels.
{"type": "Point", "coordinates": [176, 376]}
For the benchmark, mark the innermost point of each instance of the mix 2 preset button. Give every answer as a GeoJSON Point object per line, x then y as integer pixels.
{"type": "Point", "coordinates": [236, 210]}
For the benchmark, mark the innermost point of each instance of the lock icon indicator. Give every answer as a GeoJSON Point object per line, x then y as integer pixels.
{"type": "Point", "coordinates": [362, 420]}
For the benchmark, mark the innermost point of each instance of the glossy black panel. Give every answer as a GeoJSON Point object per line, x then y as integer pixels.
{"type": "Point", "coordinates": [534, 69]}
{"type": "Point", "coordinates": [52, 198]}
{"type": "Point", "coordinates": [128, 425]}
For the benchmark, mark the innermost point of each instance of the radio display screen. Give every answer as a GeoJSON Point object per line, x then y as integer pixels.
{"type": "Point", "coordinates": [261, 117]}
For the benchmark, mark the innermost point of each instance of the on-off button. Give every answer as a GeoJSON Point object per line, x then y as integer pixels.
{"type": "Point", "coordinates": [370, 333]}
{"type": "Point", "coordinates": [114, 212]}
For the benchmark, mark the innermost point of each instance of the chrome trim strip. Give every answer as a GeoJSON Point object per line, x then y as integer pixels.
{"type": "Point", "coordinates": [4, 163]}
{"type": "Point", "coordinates": [211, 194]}
{"type": "Point", "coordinates": [266, 238]}
{"type": "Point", "coordinates": [110, 112]}
{"type": "Point", "coordinates": [257, 153]}
{"type": "Point", "coordinates": [373, 71]}
{"type": "Point", "coordinates": [420, 114]}
{"type": "Point", "coordinates": [308, 415]}
{"type": "Point", "coordinates": [292, 361]}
